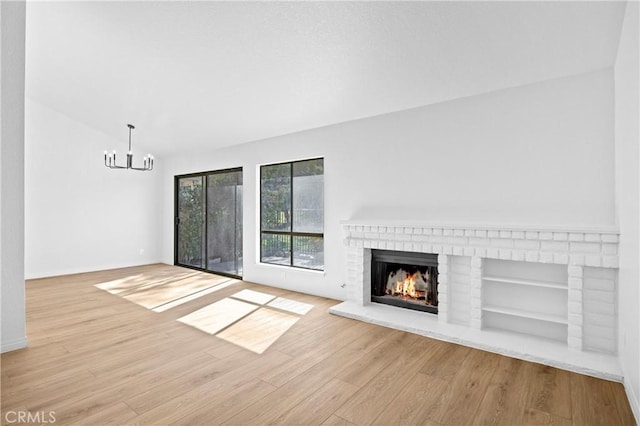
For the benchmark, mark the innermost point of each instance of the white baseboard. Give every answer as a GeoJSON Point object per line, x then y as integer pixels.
{"type": "Point", "coordinates": [633, 401]}
{"type": "Point", "coordinates": [12, 346]}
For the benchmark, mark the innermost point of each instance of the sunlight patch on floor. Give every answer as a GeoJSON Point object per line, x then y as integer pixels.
{"type": "Point", "coordinates": [252, 296]}
{"type": "Point", "coordinates": [259, 330]}
{"type": "Point", "coordinates": [118, 286]}
{"type": "Point", "coordinates": [290, 306]}
{"type": "Point", "coordinates": [139, 282]}
{"type": "Point", "coordinates": [154, 296]}
{"type": "Point", "coordinates": [164, 293]}
{"type": "Point", "coordinates": [250, 319]}
{"type": "Point", "coordinates": [219, 315]}
{"type": "Point", "coordinates": [194, 296]}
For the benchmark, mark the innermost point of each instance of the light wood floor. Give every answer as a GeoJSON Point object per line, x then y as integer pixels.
{"type": "Point", "coordinates": [107, 348]}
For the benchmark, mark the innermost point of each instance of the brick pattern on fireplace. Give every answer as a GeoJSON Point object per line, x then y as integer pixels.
{"type": "Point", "coordinates": [462, 252]}
{"type": "Point", "coordinates": [576, 247]}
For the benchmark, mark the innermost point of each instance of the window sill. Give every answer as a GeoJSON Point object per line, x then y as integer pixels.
{"type": "Point", "coordinates": [291, 268]}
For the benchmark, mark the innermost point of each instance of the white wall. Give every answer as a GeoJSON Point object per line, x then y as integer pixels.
{"type": "Point", "coordinates": [12, 62]}
{"type": "Point", "coordinates": [81, 216]}
{"type": "Point", "coordinates": [539, 154]}
{"type": "Point", "coordinates": [627, 162]}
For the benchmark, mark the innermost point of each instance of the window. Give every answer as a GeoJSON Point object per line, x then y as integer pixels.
{"type": "Point", "coordinates": [292, 214]}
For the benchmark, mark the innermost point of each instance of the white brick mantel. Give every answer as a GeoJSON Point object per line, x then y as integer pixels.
{"type": "Point", "coordinates": [463, 250]}
{"type": "Point", "coordinates": [596, 247]}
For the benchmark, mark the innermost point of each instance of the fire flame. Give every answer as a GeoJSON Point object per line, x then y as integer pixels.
{"type": "Point", "coordinates": [407, 287]}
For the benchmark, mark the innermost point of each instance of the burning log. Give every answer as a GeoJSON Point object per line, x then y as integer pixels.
{"type": "Point", "coordinates": [400, 283]}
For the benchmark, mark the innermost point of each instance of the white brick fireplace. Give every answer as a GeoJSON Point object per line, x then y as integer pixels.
{"type": "Point", "coordinates": [542, 294]}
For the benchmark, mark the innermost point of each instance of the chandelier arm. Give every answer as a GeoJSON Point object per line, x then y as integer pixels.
{"type": "Point", "coordinates": [115, 166]}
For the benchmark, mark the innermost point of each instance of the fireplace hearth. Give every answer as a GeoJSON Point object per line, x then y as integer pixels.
{"type": "Point", "coordinates": [405, 279]}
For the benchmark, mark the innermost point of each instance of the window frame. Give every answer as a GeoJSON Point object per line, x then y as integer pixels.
{"type": "Point", "coordinates": [291, 233]}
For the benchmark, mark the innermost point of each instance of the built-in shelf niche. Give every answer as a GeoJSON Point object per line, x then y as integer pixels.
{"type": "Point", "coordinates": [525, 297]}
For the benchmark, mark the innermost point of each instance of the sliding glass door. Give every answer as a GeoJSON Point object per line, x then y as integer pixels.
{"type": "Point", "coordinates": [209, 221]}
{"type": "Point", "coordinates": [190, 229]}
{"type": "Point", "coordinates": [224, 222]}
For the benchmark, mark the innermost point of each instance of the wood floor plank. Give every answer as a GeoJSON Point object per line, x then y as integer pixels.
{"type": "Point", "coordinates": [214, 391]}
{"type": "Point", "coordinates": [117, 413]}
{"type": "Point", "coordinates": [24, 392]}
{"type": "Point", "coordinates": [335, 334]}
{"type": "Point", "coordinates": [505, 399]}
{"type": "Point", "coordinates": [227, 373]}
{"type": "Point", "coordinates": [369, 402]}
{"type": "Point", "coordinates": [367, 367]}
{"type": "Point", "coordinates": [192, 376]}
{"type": "Point", "coordinates": [535, 417]}
{"type": "Point", "coordinates": [334, 420]}
{"type": "Point", "coordinates": [446, 362]}
{"type": "Point", "coordinates": [225, 406]}
{"type": "Point", "coordinates": [99, 393]}
{"type": "Point", "coordinates": [460, 402]}
{"type": "Point", "coordinates": [319, 406]}
{"type": "Point", "coordinates": [96, 358]}
{"type": "Point", "coordinates": [412, 405]}
{"type": "Point", "coordinates": [548, 385]}
{"type": "Point", "coordinates": [324, 348]}
{"type": "Point", "coordinates": [591, 402]}
{"type": "Point", "coordinates": [265, 411]}
{"type": "Point", "coordinates": [617, 394]}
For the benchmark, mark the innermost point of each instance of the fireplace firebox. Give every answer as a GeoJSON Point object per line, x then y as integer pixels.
{"type": "Point", "coordinates": [405, 279]}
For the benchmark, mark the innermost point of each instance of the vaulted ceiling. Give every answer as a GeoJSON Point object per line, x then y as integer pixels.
{"type": "Point", "coordinates": [203, 75]}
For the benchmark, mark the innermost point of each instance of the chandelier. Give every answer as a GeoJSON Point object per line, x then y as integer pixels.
{"type": "Point", "coordinates": [110, 158]}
